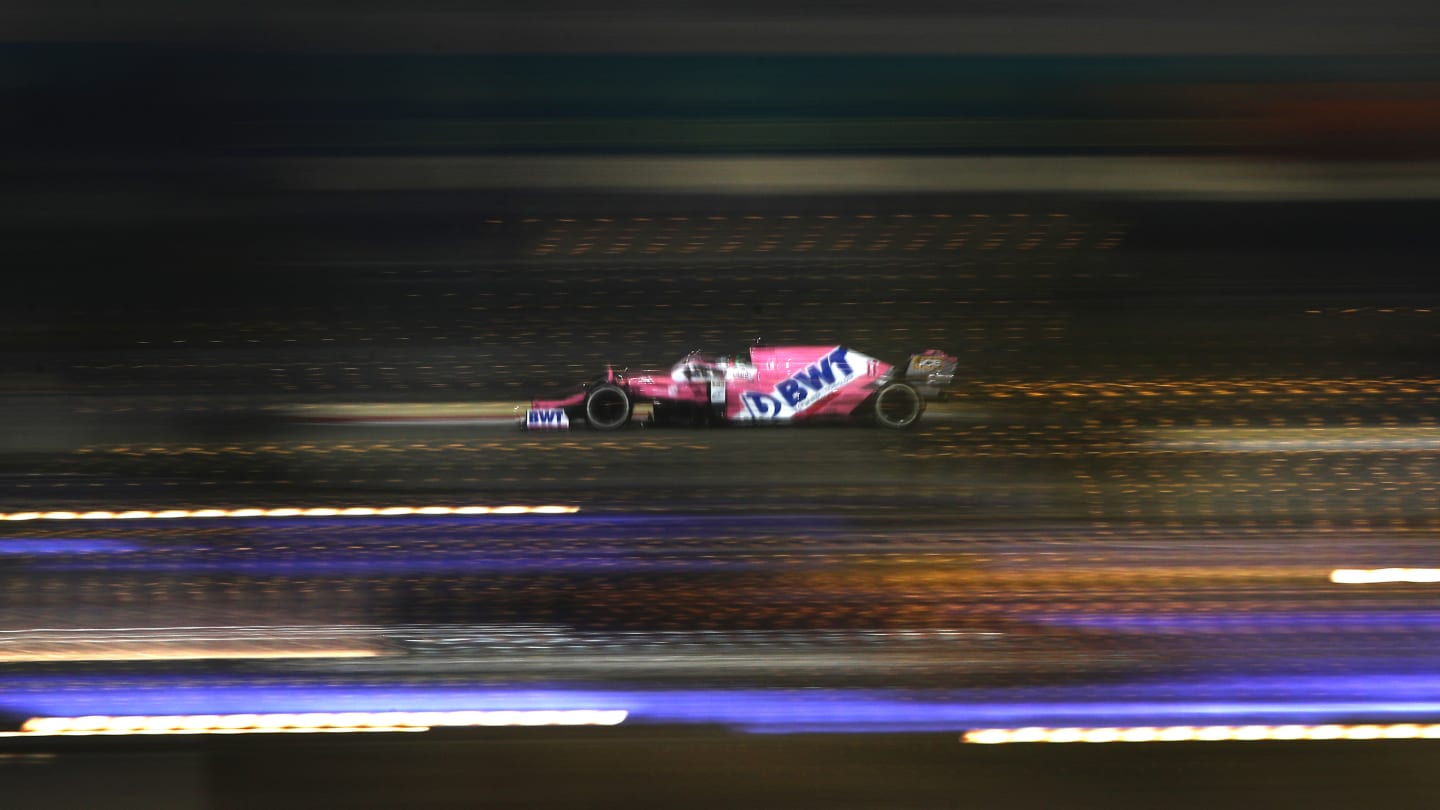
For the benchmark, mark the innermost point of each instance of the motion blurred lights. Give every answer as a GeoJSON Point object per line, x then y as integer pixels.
{"type": "Point", "coordinates": [1296, 440]}
{"type": "Point", "coordinates": [100, 651]}
{"type": "Point", "coordinates": [339, 722]}
{"type": "Point", "coordinates": [1396, 731]}
{"type": "Point", "coordinates": [289, 511]}
{"type": "Point", "coordinates": [1371, 576]}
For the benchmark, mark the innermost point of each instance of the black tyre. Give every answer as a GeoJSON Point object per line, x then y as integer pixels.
{"type": "Point", "coordinates": [898, 406]}
{"type": "Point", "coordinates": [607, 407]}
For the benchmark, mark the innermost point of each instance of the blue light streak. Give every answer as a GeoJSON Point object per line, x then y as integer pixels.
{"type": "Point", "coordinates": [1316, 700]}
{"type": "Point", "coordinates": [63, 546]}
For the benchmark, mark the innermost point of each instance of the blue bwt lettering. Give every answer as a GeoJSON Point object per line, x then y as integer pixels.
{"type": "Point", "coordinates": [818, 376]}
{"type": "Point", "coordinates": [812, 381]}
{"type": "Point", "coordinates": [545, 418]}
{"type": "Point", "coordinates": [791, 392]}
{"type": "Point", "coordinates": [762, 404]}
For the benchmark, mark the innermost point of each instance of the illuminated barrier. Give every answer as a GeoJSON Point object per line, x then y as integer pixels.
{"type": "Point", "coordinates": [1397, 731]}
{"type": "Point", "coordinates": [307, 723]}
{"type": "Point", "coordinates": [1371, 576]}
{"type": "Point", "coordinates": [352, 511]}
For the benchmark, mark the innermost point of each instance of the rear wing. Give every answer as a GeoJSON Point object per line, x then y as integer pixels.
{"type": "Point", "coordinates": [932, 372]}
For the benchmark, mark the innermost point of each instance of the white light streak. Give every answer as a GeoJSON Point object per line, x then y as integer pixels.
{"type": "Point", "coordinates": [291, 511]}
{"type": "Point", "coordinates": [310, 722]}
{"type": "Point", "coordinates": [1372, 576]}
{"type": "Point", "coordinates": [1395, 731]}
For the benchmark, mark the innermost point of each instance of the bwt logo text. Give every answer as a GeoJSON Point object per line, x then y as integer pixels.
{"type": "Point", "coordinates": [546, 418]}
{"type": "Point", "coordinates": [806, 384]}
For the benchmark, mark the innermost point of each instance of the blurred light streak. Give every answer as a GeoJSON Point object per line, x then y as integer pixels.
{"type": "Point", "coordinates": [24, 546]}
{"type": "Point", "coordinates": [421, 563]}
{"type": "Point", "coordinates": [1143, 176]}
{"type": "Point", "coordinates": [1318, 440]}
{"type": "Point", "coordinates": [1394, 731]}
{"type": "Point", "coordinates": [777, 710]}
{"type": "Point", "coordinates": [1371, 576]}
{"type": "Point", "coordinates": [1370, 620]}
{"type": "Point", "coordinates": [391, 414]}
{"type": "Point", "coordinates": [608, 527]}
{"type": "Point", "coordinates": [352, 511]}
{"type": "Point", "coordinates": [190, 643]}
{"type": "Point", "coordinates": [138, 731]}
{"type": "Point", "coordinates": [180, 654]}
{"type": "Point", "coordinates": [333, 722]}
{"type": "Point", "coordinates": [206, 695]}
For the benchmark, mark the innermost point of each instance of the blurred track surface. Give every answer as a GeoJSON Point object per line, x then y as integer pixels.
{"type": "Point", "coordinates": [1176, 421]}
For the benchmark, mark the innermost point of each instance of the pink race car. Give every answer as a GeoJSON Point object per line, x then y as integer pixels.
{"type": "Point", "coordinates": [777, 384]}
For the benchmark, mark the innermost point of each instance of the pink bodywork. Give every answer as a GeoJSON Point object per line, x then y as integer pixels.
{"type": "Point", "coordinates": [778, 384]}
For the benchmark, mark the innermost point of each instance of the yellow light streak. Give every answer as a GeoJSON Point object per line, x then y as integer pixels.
{"type": "Point", "coordinates": [1394, 731]}
{"type": "Point", "coordinates": [309, 722]}
{"type": "Point", "coordinates": [290, 511]}
{"type": "Point", "coordinates": [1372, 576]}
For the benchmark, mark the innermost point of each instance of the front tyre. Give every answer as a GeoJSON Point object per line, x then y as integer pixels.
{"type": "Point", "coordinates": [607, 407]}
{"type": "Point", "coordinates": [898, 406]}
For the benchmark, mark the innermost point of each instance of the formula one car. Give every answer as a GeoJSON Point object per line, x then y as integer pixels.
{"type": "Point", "coordinates": [777, 384]}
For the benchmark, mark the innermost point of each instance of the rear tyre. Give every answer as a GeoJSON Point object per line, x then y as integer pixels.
{"type": "Point", "coordinates": [607, 407]}
{"type": "Point", "coordinates": [898, 406]}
